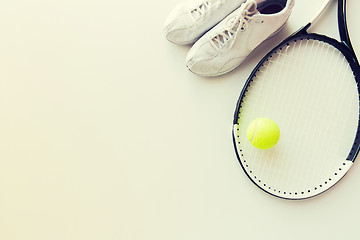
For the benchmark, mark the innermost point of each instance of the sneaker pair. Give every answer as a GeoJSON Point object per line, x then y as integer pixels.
{"type": "Point", "coordinates": [224, 31]}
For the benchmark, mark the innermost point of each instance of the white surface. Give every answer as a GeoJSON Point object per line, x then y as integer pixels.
{"type": "Point", "coordinates": [105, 134]}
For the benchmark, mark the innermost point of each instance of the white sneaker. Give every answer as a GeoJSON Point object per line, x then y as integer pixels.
{"type": "Point", "coordinates": [225, 47]}
{"type": "Point", "coordinates": [190, 20]}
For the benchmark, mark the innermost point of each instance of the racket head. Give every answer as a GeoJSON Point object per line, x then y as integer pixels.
{"type": "Point", "coordinates": [298, 84]}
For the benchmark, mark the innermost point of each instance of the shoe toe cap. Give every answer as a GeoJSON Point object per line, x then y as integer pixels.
{"type": "Point", "coordinates": [201, 60]}
{"type": "Point", "coordinates": [203, 68]}
{"type": "Point", "coordinates": [231, 64]}
{"type": "Point", "coordinates": [213, 67]}
{"type": "Point", "coordinates": [177, 28]}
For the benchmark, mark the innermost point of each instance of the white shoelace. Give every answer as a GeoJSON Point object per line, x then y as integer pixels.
{"type": "Point", "coordinates": [235, 23]}
{"type": "Point", "coordinates": [201, 10]}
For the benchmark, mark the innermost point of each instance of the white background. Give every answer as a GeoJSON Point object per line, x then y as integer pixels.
{"type": "Point", "coordinates": [104, 133]}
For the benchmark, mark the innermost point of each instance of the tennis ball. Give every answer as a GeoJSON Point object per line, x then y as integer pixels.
{"type": "Point", "coordinates": [263, 133]}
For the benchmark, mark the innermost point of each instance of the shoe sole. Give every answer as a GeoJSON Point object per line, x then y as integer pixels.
{"type": "Point", "coordinates": [182, 43]}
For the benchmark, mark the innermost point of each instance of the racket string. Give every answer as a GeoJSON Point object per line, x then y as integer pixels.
{"type": "Point", "coordinates": [253, 105]}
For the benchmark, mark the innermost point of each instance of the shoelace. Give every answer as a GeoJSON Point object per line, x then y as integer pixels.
{"type": "Point", "coordinates": [235, 23]}
{"type": "Point", "coordinates": [202, 9]}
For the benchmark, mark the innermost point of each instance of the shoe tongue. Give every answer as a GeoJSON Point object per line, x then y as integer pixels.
{"type": "Point", "coordinates": [251, 7]}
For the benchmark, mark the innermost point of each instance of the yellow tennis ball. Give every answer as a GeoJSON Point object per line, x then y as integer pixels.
{"type": "Point", "coordinates": [263, 133]}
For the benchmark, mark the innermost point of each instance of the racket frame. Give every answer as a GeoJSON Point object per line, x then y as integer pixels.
{"type": "Point", "coordinates": [344, 46]}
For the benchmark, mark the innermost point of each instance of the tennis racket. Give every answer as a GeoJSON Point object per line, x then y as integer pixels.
{"type": "Point", "coordinates": [309, 85]}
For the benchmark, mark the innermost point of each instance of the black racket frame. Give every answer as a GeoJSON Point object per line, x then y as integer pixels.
{"type": "Point", "coordinates": [343, 46]}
